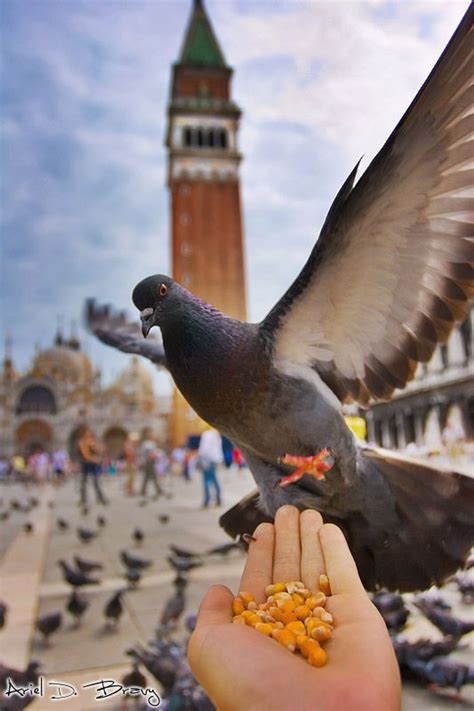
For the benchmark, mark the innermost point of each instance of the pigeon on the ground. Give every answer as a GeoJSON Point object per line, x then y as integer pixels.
{"type": "Point", "coordinates": [448, 624]}
{"type": "Point", "coordinates": [182, 565]}
{"type": "Point", "coordinates": [86, 566]}
{"type": "Point", "coordinates": [76, 578]}
{"type": "Point", "coordinates": [441, 673]}
{"type": "Point", "coordinates": [434, 599]}
{"type": "Point", "coordinates": [28, 527]}
{"type": "Point", "coordinates": [173, 609]}
{"type": "Point", "coordinates": [48, 624]}
{"type": "Point", "coordinates": [180, 581]}
{"type": "Point", "coordinates": [465, 585]}
{"type": "Point", "coordinates": [138, 536]}
{"type": "Point", "coordinates": [163, 667]}
{"type": "Point", "coordinates": [422, 650]}
{"type": "Point", "coordinates": [86, 535]}
{"type": "Point", "coordinates": [393, 610]}
{"type": "Point", "coordinates": [101, 521]}
{"type": "Point", "coordinates": [3, 614]}
{"type": "Point", "coordinates": [163, 518]}
{"type": "Point", "coordinates": [183, 552]}
{"type": "Point", "coordinates": [4, 515]}
{"type": "Point", "coordinates": [113, 608]}
{"type": "Point", "coordinates": [133, 576]}
{"type": "Point", "coordinates": [388, 279]}
{"type": "Point", "coordinates": [134, 678]}
{"type": "Point", "coordinates": [62, 524]}
{"type": "Point", "coordinates": [33, 501]}
{"type": "Point", "coordinates": [132, 561]}
{"type": "Point", "coordinates": [77, 605]}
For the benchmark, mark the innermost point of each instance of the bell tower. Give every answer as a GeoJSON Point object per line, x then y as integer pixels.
{"type": "Point", "coordinates": [203, 179]}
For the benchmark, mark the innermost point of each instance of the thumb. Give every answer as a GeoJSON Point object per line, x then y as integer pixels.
{"type": "Point", "coordinates": [216, 607]}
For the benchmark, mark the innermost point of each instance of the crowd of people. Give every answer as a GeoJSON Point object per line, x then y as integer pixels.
{"type": "Point", "coordinates": [146, 466]}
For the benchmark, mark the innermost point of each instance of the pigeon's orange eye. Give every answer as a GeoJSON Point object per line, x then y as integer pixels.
{"type": "Point", "coordinates": [163, 290]}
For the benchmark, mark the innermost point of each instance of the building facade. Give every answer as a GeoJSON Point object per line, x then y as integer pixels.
{"type": "Point", "coordinates": [203, 180]}
{"type": "Point", "coordinates": [441, 395]}
{"type": "Point", "coordinates": [47, 406]}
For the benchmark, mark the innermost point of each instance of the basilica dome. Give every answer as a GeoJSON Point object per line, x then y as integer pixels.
{"type": "Point", "coordinates": [63, 363]}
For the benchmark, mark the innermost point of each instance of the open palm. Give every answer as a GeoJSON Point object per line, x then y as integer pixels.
{"type": "Point", "coordinates": [242, 669]}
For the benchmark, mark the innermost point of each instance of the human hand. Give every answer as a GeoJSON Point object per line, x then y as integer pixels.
{"type": "Point", "coordinates": [242, 669]}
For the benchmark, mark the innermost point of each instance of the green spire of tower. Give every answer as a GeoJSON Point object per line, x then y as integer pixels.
{"type": "Point", "coordinates": [200, 47]}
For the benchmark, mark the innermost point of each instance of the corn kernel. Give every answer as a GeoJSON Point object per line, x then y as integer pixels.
{"type": "Point", "coordinates": [287, 606]}
{"type": "Point", "coordinates": [238, 620]}
{"type": "Point", "coordinates": [318, 600]}
{"type": "Point", "coordinates": [317, 657]}
{"type": "Point", "coordinates": [237, 606]}
{"type": "Point", "coordinates": [279, 625]}
{"type": "Point", "coordinates": [264, 628]}
{"type": "Point", "coordinates": [288, 617]}
{"type": "Point", "coordinates": [311, 624]}
{"type": "Point", "coordinates": [324, 584]}
{"type": "Point", "coordinates": [297, 627]}
{"type": "Point", "coordinates": [246, 597]}
{"type": "Point", "coordinates": [282, 596]}
{"type": "Point", "coordinates": [308, 646]}
{"type": "Point", "coordinates": [297, 599]}
{"type": "Point", "coordinates": [275, 588]}
{"type": "Point", "coordinates": [276, 613]}
{"type": "Point", "coordinates": [302, 612]}
{"type": "Point", "coordinates": [318, 611]}
{"type": "Point", "coordinates": [286, 638]}
{"type": "Point", "coordinates": [327, 617]}
{"type": "Point", "coordinates": [252, 606]}
{"type": "Point", "coordinates": [321, 633]}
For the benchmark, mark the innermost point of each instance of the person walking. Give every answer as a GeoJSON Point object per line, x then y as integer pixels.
{"type": "Point", "coordinates": [148, 454]}
{"type": "Point", "coordinates": [210, 455]}
{"type": "Point", "coordinates": [89, 454]}
{"type": "Point", "coordinates": [130, 456]}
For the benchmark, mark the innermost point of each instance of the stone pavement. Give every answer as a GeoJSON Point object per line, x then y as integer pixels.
{"type": "Point", "coordinates": [32, 582]}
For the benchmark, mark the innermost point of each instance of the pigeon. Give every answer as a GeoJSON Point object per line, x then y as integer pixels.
{"type": "Point", "coordinates": [434, 599]}
{"type": "Point", "coordinates": [76, 578]}
{"type": "Point", "coordinates": [392, 608]}
{"type": "Point", "coordinates": [441, 673]}
{"type": "Point", "coordinates": [133, 576]}
{"type": "Point", "coordinates": [3, 614]}
{"type": "Point", "coordinates": [114, 608]}
{"type": "Point", "coordinates": [163, 667]}
{"type": "Point", "coordinates": [226, 548]}
{"type": "Point", "coordinates": [4, 515]}
{"type": "Point", "coordinates": [386, 282]}
{"type": "Point", "coordinates": [28, 527]}
{"type": "Point", "coordinates": [15, 505]}
{"type": "Point", "coordinates": [173, 609]}
{"type": "Point", "coordinates": [183, 552]}
{"type": "Point", "coordinates": [101, 521]}
{"type": "Point", "coordinates": [134, 678]}
{"type": "Point", "coordinates": [86, 535]}
{"type": "Point", "coordinates": [33, 501]}
{"type": "Point", "coordinates": [86, 566]}
{"type": "Point", "coordinates": [22, 678]}
{"type": "Point", "coordinates": [48, 624]}
{"type": "Point", "coordinates": [180, 581]}
{"type": "Point", "coordinates": [182, 565]}
{"type": "Point", "coordinates": [163, 518]}
{"type": "Point", "coordinates": [138, 536]}
{"type": "Point", "coordinates": [62, 524]}
{"type": "Point", "coordinates": [465, 584]}
{"type": "Point", "coordinates": [130, 561]}
{"type": "Point", "coordinates": [77, 605]}
{"type": "Point", "coordinates": [448, 624]}
{"type": "Point", "coordinates": [422, 650]}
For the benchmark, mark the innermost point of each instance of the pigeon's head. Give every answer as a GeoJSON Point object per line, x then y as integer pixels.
{"type": "Point", "coordinates": [155, 297]}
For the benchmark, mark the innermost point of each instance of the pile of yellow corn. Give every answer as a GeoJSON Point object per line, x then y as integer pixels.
{"type": "Point", "coordinates": [292, 615]}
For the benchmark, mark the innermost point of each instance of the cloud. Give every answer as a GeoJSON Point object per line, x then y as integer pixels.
{"type": "Point", "coordinates": [85, 86]}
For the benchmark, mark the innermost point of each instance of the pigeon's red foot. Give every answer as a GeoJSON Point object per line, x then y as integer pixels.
{"type": "Point", "coordinates": [455, 696]}
{"type": "Point", "coordinates": [315, 465]}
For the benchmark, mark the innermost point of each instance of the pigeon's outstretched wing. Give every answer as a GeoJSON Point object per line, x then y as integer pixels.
{"type": "Point", "coordinates": [392, 270]}
{"type": "Point", "coordinates": [115, 330]}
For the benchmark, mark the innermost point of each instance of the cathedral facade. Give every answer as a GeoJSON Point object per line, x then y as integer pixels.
{"type": "Point", "coordinates": [47, 406]}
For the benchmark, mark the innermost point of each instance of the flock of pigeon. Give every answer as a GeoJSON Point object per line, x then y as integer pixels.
{"type": "Point", "coordinates": [426, 660]}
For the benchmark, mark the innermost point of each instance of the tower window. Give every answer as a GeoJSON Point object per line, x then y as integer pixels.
{"type": "Point", "coordinates": [200, 137]}
{"type": "Point", "coordinates": [221, 137]}
{"type": "Point", "coordinates": [211, 138]}
{"type": "Point", "coordinates": [187, 136]}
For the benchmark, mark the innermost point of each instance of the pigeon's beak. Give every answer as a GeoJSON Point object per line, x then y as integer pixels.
{"type": "Point", "coordinates": [146, 317]}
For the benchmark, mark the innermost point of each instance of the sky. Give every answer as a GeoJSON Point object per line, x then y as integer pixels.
{"type": "Point", "coordinates": [84, 88]}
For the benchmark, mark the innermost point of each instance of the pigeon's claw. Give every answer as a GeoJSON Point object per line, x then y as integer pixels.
{"type": "Point", "coordinates": [315, 465]}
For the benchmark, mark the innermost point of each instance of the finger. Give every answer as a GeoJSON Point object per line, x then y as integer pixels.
{"type": "Point", "coordinates": [216, 607]}
{"type": "Point", "coordinates": [340, 566]}
{"type": "Point", "coordinates": [312, 559]}
{"type": "Point", "coordinates": [287, 556]}
{"type": "Point", "coordinates": [258, 567]}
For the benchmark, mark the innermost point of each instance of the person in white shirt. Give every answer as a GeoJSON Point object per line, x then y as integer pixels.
{"type": "Point", "coordinates": [210, 455]}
